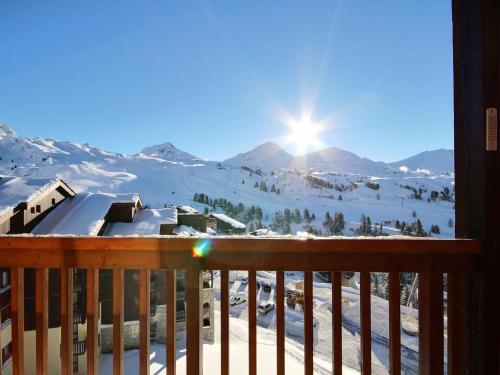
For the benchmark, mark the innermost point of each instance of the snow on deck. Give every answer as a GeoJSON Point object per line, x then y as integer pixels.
{"type": "Point", "coordinates": [146, 221]}
{"type": "Point", "coordinates": [15, 190]}
{"type": "Point", "coordinates": [82, 215]}
{"type": "Point", "coordinates": [266, 354]}
{"type": "Point", "coordinates": [230, 221]}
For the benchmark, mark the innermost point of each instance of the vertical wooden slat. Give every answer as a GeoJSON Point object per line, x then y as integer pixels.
{"type": "Point", "coordinates": [118, 314]}
{"type": "Point", "coordinates": [280, 322]}
{"type": "Point", "coordinates": [42, 320]}
{"type": "Point", "coordinates": [308, 324]}
{"type": "Point", "coordinates": [66, 321]}
{"type": "Point", "coordinates": [394, 324]}
{"type": "Point", "coordinates": [92, 322]}
{"type": "Point", "coordinates": [194, 341]}
{"type": "Point", "coordinates": [430, 306]}
{"type": "Point", "coordinates": [171, 293]}
{"type": "Point", "coordinates": [337, 322]}
{"type": "Point", "coordinates": [17, 312]}
{"type": "Point", "coordinates": [365, 313]}
{"type": "Point", "coordinates": [455, 360]}
{"type": "Point", "coordinates": [252, 323]}
{"type": "Point", "coordinates": [224, 321]}
{"type": "Point", "coordinates": [144, 314]}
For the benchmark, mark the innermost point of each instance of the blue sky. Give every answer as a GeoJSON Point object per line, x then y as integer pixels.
{"type": "Point", "coordinates": [210, 76]}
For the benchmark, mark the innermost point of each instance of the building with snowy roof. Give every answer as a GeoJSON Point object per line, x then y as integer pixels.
{"type": "Point", "coordinates": [24, 202]}
{"type": "Point", "coordinates": [227, 225]}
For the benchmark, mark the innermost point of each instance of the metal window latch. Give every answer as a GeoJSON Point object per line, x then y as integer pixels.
{"type": "Point", "coordinates": [491, 129]}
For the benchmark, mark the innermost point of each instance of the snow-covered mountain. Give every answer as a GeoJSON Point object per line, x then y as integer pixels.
{"type": "Point", "coordinates": [332, 180]}
{"type": "Point", "coordinates": [268, 156]}
{"type": "Point", "coordinates": [335, 159]}
{"type": "Point", "coordinates": [440, 160]}
{"type": "Point", "coordinates": [168, 151]}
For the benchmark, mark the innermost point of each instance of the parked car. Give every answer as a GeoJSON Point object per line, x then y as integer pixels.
{"type": "Point", "coordinates": [265, 306]}
{"type": "Point", "coordinates": [237, 299]}
{"type": "Point", "coordinates": [243, 279]}
{"type": "Point", "coordinates": [266, 287]}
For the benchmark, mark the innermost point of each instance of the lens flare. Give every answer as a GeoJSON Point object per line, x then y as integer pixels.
{"type": "Point", "coordinates": [202, 248]}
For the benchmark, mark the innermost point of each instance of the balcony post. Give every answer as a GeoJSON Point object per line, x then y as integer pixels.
{"type": "Point", "coordinates": [194, 342]}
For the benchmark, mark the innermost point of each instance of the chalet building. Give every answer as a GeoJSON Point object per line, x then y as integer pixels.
{"type": "Point", "coordinates": [224, 224]}
{"type": "Point", "coordinates": [87, 214]}
{"type": "Point", "coordinates": [25, 202]}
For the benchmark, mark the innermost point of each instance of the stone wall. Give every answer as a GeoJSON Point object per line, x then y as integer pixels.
{"type": "Point", "coordinates": [159, 321]}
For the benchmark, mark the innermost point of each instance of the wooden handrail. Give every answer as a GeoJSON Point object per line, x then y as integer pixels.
{"type": "Point", "coordinates": [383, 255]}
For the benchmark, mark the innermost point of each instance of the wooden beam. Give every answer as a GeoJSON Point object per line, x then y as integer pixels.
{"type": "Point", "coordinates": [144, 314]}
{"type": "Point", "coordinates": [92, 321]}
{"type": "Point", "coordinates": [394, 324]}
{"type": "Point", "coordinates": [224, 322]}
{"type": "Point", "coordinates": [171, 293]}
{"type": "Point", "coordinates": [280, 322]}
{"type": "Point", "coordinates": [66, 321]}
{"type": "Point", "coordinates": [118, 314]}
{"type": "Point", "coordinates": [17, 310]}
{"type": "Point", "coordinates": [194, 339]}
{"type": "Point", "coordinates": [42, 320]}
{"type": "Point", "coordinates": [476, 38]}
{"type": "Point", "coordinates": [252, 323]}
{"type": "Point", "coordinates": [337, 322]}
{"type": "Point", "coordinates": [365, 320]}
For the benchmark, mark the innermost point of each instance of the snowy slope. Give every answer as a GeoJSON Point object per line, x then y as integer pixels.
{"type": "Point", "coordinates": [441, 160]}
{"type": "Point", "coordinates": [174, 178]}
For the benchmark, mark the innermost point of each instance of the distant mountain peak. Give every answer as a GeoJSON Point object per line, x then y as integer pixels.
{"type": "Point", "coordinates": [5, 131]}
{"type": "Point", "coordinates": [268, 155]}
{"type": "Point", "coordinates": [167, 151]}
{"type": "Point", "coordinates": [439, 160]}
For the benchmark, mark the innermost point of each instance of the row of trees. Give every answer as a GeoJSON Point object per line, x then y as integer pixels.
{"type": "Point", "coordinates": [263, 187]}
{"type": "Point", "coordinates": [248, 215]}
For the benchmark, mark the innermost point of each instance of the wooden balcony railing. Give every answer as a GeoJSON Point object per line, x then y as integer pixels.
{"type": "Point", "coordinates": [428, 257]}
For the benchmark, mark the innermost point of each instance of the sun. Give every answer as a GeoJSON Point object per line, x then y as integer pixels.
{"type": "Point", "coordinates": [304, 134]}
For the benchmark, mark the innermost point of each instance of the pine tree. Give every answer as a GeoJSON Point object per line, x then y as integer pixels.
{"type": "Point", "coordinates": [251, 228]}
{"type": "Point", "coordinates": [287, 216]}
{"type": "Point", "coordinates": [340, 197]}
{"type": "Point", "coordinates": [205, 211]}
{"type": "Point", "coordinates": [414, 213]}
{"type": "Point", "coordinates": [195, 198]}
{"type": "Point", "coordinates": [256, 184]}
{"type": "Point", "coordinates": [296, 216]}
{"type": "Point", "coordinates": [273, 189]}
{"type": "Point", "coordinates": [313, 217]}
{"type": "Point", "coordinates": [287, 229]}
{"type": "Point", "coordinates": [450, 223]}
{"type": "Point", "coordinates": [278, 191]}
{"type": "Point", "coordinates": [243, 181]}
{"type": "Point", "coordinates": [307, 217]}
{"type": "Point", "coordinates": [258, 213]}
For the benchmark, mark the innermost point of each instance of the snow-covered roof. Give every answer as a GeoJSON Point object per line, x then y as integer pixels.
{"type": "Point", "coordinates": [146, 222]}
{"type": "Point", "coordinates": [188, 209]}
{"type": "Point", "coordinates": [83, 215]}
{"type": "Point", "coordinates": [15, 190]}
{"type": "Point", "coordinates": [187, 231]}
{"type": "Point", "coordinates": [230, 221]}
